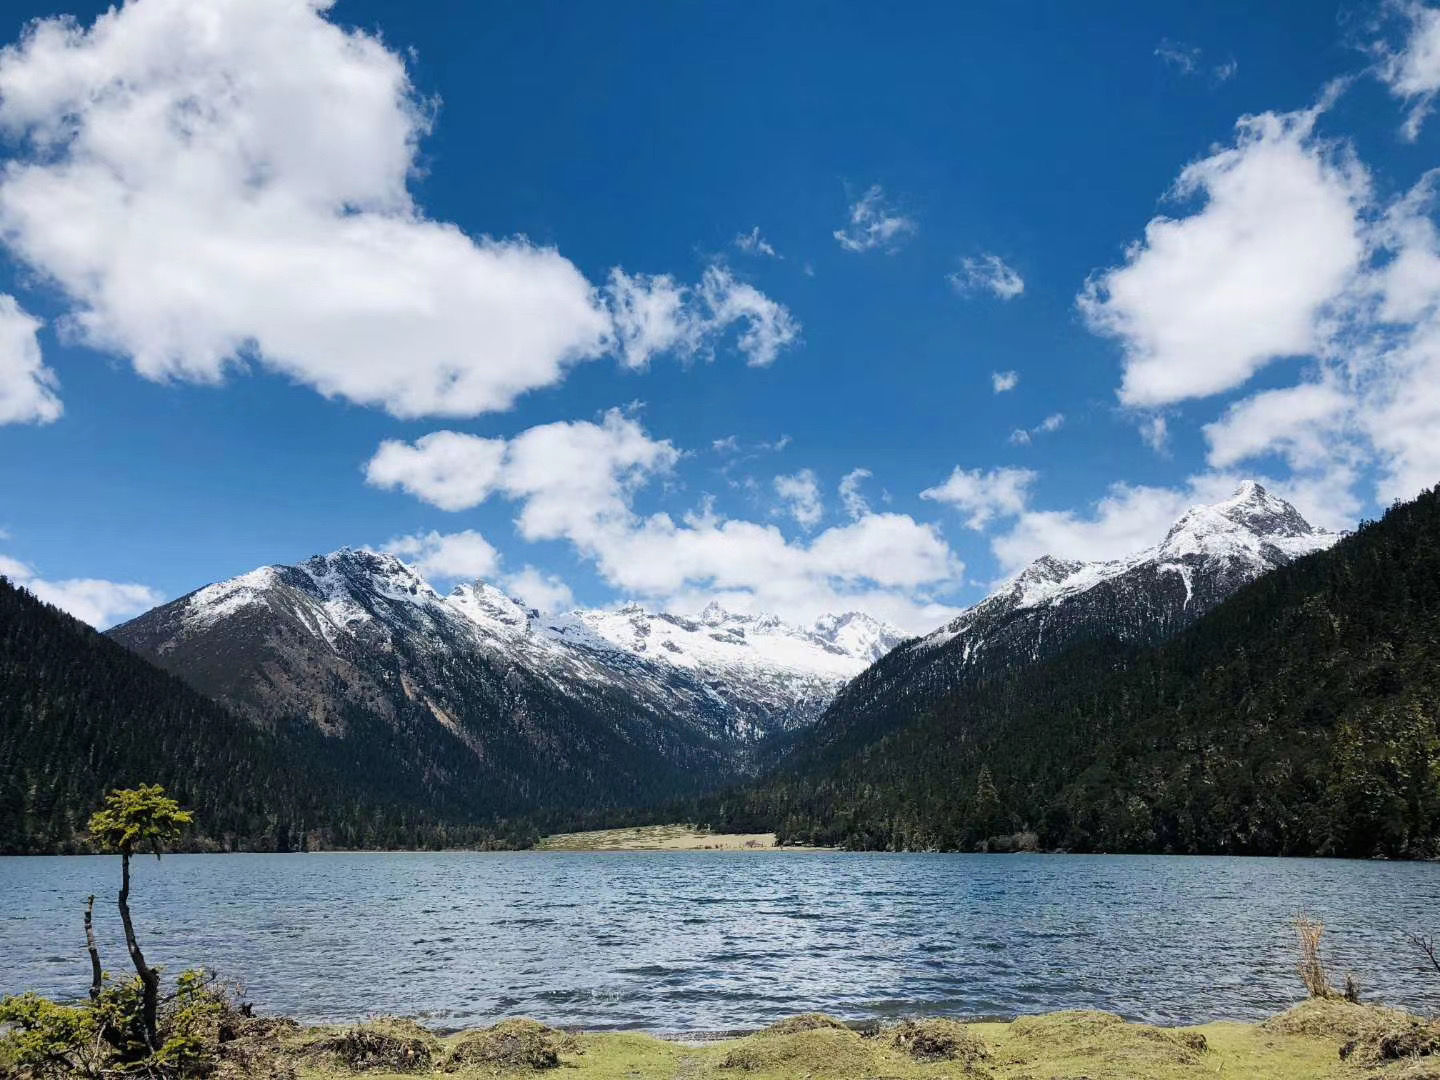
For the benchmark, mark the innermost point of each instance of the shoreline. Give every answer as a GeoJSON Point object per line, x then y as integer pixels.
{"type": "Point", "coordinates": [1315, 1040]}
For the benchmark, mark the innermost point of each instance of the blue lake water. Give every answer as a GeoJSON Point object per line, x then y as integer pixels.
{"type": "Point", "coordinates": [708, 940]}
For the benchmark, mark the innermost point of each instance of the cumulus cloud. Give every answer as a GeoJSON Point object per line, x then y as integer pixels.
{"type": "Point", "coordinates": [448, 469]}
{"type": "Point", "coordinates": [577, 482]}
{"type": "Point", "coordinates": [1413, 71]}
{"type": "Point", "coordinates": [27, 386]}
{"type": "Point", "coordinates": [92, 600]}
{"type": "Point", "coordinates": [873, 223]}
{"type": "Point", "coordinates": [1366, 404]}
{"type": "Point", "coordinates": [854, 502]}
{"type": "Point", "coordinates": [799, 494]}
{"type": "Point", "coordinates": [1291, 421]}
{"type": "Point", "coordinates": [988, 273]}
{"type": "Point", "coordinates": [1207, 299]}
{"type": "Point", "coordinates": [225, 184]}
{"type": "Point", "coordinates": [1001, 381]}
{"type": "Point", "coordinates": [544, 592]}
{"type": "Point", "coordinates": [984, 496]}
{"type": "Point", "coordinates": [466, 555]}
{"type": "Point", "coordinates": [752, 243]}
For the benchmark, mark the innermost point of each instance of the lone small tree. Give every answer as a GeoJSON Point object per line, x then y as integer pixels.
{"type": "Point", "coordinates": [139, 819]}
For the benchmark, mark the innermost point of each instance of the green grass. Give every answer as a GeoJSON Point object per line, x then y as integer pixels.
{"type": "Point", "coordinates": [1305, 1045]}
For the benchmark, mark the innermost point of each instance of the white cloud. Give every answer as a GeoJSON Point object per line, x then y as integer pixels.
{"type": "Point", "coordinates": [1155, 432]}
{"type": "Point", "coordinates": [27, 386]}
{"type": "Point", "coordinates": [1207, 299]}
{"type": "Point", "coordinates": [1289, 420]}
{"type": "Point", "coordinates": [850, 497]}
{"type": "Point", "coordinates": [222, 184]}
{"type": "Point", "coordinates": [988, 272]}
{"type": "Point", "coordinates": [1413, 73]}
{"type": "Point", "coordinates": [462, 556]}
{"type": "Point", "coordinates": [1184, 58]}
{"type": "Point", "coordinates": [1370, 401]}
{"type": "Point", "coordinates": [984, 496]}
{"type": "Point", "coordinates": [654, 315]}
{"type": "Point", "coordinates": [752, 243]}
{"type": "Point", "coordinates": [800, 495]}
{"type": "Point", "coordinates": [873, 223]}
{"type": "Point", "coordinates": [92, 600]}
{"type": "Point", "coordinates": [577, 482]}
{"type": "Point", "coordinates": [447, 469]}
{"type": "Point", "coordinates": [1024, 436]}
{"type": "Point", "coordinates": [1187, 60]}
{"type": "Point", "coordinates": [769, 327]}
{"type": "Point", "coordinates": [1001, 381]}
{"type": "Point", "coordinates": [544, 592]}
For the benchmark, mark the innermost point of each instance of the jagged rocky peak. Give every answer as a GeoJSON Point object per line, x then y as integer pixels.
{"type": "Point", "coordinates": [484, 604]}
{"type": "Point", "coordinates": [858, 634]}
{"type": "Point", "coordinates": [1246, 522]}
{"type": "Point", "coordinates": [372, 571]}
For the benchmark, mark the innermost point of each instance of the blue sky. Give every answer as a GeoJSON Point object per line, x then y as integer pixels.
{"type": "Point", "coordinates": [254, 238]}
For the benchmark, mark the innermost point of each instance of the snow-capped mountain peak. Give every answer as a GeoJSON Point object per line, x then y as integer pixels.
{"type": "Point", "coordinates": [1248, 534]}
{"type": "Point", "coordinates": [1055, 602]}
{"type": "Point", "coordinates": [734, 676]}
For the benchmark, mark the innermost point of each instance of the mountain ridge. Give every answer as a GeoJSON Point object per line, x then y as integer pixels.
{"type": "Point", "coordinates": [1206, 555]}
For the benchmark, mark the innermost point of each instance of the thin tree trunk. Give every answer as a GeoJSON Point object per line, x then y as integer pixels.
{"type": "Point", "coordinates": [96, 975]}
{"type": "Point", "coordinates": [149, 980]}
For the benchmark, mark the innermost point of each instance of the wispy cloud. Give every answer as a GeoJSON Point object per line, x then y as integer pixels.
{"type": "Point", "coordinates": [1189, 60]}
{"type": "Point", "coordinates": [1002, 381]}
{"type": "Point", "coordinates": [752, 243]}
{"type": "Point", "coordinates": [874, 224]}
{"type": "Point", "coordinates": [1024, 436]}
{"type": "Point", "coordinates": [988, 273]}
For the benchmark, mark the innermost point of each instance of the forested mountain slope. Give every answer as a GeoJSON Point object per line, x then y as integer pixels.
{"type": "Point", "coordinates": [80, 714]}
{"type": "Point", "coordinates": [1297, 717]}
{"type": "Point", "coordinates": [1208, 553]}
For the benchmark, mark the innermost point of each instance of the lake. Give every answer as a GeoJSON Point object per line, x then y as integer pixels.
{"type": "Point", "coordinates": [704, 941]}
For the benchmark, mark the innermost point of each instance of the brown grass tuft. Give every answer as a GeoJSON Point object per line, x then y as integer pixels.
{"type": "Point", "coordinates": [804, 1022]}
{"type": "Point", "coordinates": [515, 1044]}
{"type": "Point", "coordinates": [938, 1039]}
{"type": "Point", "coordinates": [1310, 966]}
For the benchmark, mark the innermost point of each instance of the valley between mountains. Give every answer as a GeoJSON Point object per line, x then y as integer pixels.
{"type": "Point", "coordinates": [1090, 706]}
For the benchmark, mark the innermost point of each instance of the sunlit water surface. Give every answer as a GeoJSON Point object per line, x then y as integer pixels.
{"type": "Point", "coordinates": [707, 940]}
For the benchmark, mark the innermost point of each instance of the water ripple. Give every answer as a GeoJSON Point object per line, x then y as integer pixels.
{"type": "Point", "coordinates": [709, 941]}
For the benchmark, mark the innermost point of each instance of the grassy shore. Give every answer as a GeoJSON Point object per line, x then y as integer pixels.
{"type": "Point", "coordinates": [658, 838]}
{"type": "Point", "coordinates": [1314, 1041]}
